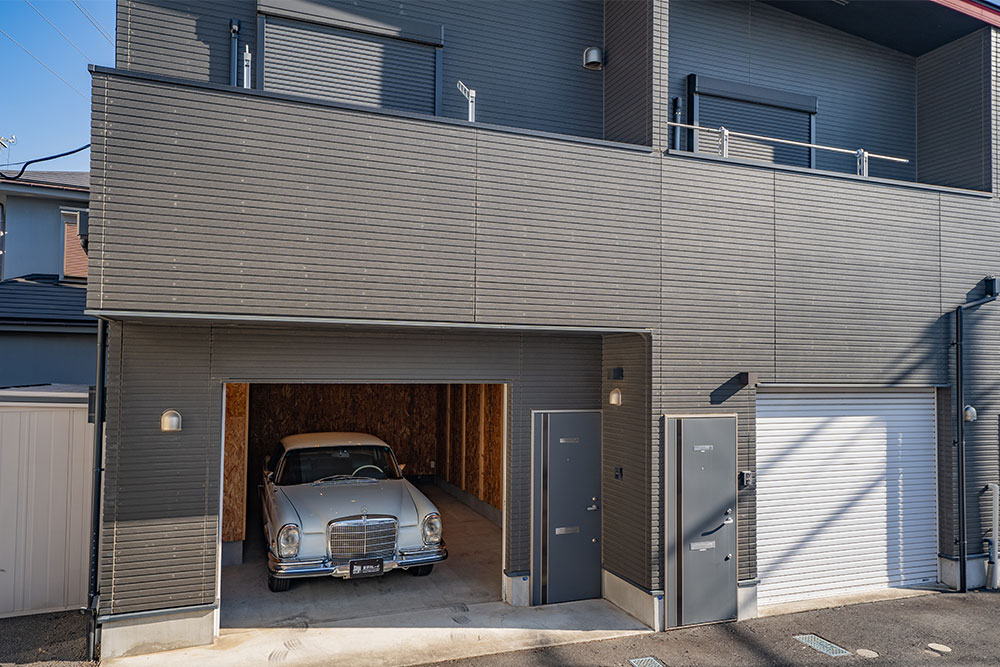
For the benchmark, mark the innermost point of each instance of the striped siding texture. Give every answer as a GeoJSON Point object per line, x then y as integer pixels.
{"type": "Point", "coordinates": [628, 71]}
{"type": "Point", "coordinates": [160, 531]}
{"type": "Point", "coordinates": [626, 505]}
{"type": "Point", "coordinates": [522, 57]}
{"type": "Point", "coordinates": [750, 42]}
{"type": "Point", "coordinates": [953, 118]}
{"type": "Point", "coordinates": [345, 66]}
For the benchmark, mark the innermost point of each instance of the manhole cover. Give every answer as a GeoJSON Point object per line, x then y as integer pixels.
{"type": "Point", "coordinates": [821, 645]}
{"type": "Point", "coordinates": [645, 662]}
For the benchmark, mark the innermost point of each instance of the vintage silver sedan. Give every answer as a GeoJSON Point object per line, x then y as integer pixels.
{"type": "Point", "coordinates": [336, 504]}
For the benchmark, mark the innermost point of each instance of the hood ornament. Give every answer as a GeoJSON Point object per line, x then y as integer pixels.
{"type": "Point", "coordinates": [364, 513]}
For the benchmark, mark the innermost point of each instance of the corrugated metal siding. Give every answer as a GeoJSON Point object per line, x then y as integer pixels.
{"type": "Point", "coordinates": [627, 503]}
{"type": "Point", "coordinates": [522, 57]}
{"type": "Point", "coordinates": [46, 457]}
{"type": "Point", "coordinates": [970, 250]}
{"type": "Point", "coordinates": [628, 71]}
{"type": "Point", "coordinates": [188, 39]}
{"type": "Point", "coordinates": [346, 66]}
{"type": "Point", "coordinates": [718, 303]}
{"type": "Point", "coordinates": [857, 283]}
{"type": "Point", "coordinates": [866, 92]}
{"type": "Point", "coordinates": [160, 525]}
{"type": "Point", "coordinates": [845, 492]}
{"type": "Point", "coordinates": [759, 119]}
{"type": "Point", "coordinates": [953, 118]}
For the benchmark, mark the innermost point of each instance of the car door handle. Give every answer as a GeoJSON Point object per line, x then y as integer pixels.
{"type": "Point", "coordinates": [592, 508]}
{"type": "Point", "coordinates": [727, 521]}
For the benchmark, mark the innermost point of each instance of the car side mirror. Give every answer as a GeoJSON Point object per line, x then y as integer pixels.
{"type": "Point", "coordinates": [269, 475]}
{"type": "Point", "coordinates": [402, 467]}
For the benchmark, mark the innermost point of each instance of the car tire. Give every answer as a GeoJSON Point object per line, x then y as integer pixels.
{"type": "Point", "coordinates": [276, 585]}
{"type": "Point", "coordinates": [421, 570]}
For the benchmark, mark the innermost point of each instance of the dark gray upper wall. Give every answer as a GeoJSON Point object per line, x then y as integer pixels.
{"type": "Point", "coordinates": [523, 58]}
{"type": "Point", "coordinates": [628, 71]}
{"type": "Point", "coordinates": [866, 91]}
{"type": "Point", "coordinates": [953, 114]}
{"type": "Point", "coordinates": [33, 358]}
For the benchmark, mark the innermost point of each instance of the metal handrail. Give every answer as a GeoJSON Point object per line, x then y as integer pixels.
{"type": "Point", "coordinates": [724, 134]}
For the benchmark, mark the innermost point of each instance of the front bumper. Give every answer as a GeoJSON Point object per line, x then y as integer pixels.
{"type": "Point", "coordinates": [293, 568]}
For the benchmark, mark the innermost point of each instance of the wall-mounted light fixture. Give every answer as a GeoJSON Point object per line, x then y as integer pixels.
{"type": "Point", "coordinates": [593, 58]}
{"type": "Point", "coordinates": [969, 414]}
{"type": "Point", "coordinates": [615, 396]}
{"type": "Point", "coordinates": [170, 421]}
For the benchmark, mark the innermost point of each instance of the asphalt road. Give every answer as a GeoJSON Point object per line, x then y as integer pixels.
{"type": "Point", "coordinates": [899, 631]}
{"type": "Point", "coordinates": [49, 640]}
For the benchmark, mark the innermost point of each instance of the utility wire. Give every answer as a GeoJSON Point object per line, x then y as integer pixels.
{"type": "Point", "coordinates": [41, 159]}
{"type": "Point", "coordinates": [56, 74]}
{"type": "Point", "coordinates": [44, 18]}
{"type": "Point", "coordinates": [90, 17]}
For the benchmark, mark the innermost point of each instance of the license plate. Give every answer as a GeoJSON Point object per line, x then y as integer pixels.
{"type": "Point", "coordinates": [369, 567]}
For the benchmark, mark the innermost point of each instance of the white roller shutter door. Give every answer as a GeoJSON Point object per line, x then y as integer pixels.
{"type": "Point", "coordinates": [846, 493]}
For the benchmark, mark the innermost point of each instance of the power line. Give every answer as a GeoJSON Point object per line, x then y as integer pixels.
{"type": "Point", "coordinates": [24, 165]}
{"type": "Point", "coordinates": [95, 22]}
{"type": "Point", "coordinates": [88, 58]}
{"type": "Point", "coordinates": [54, 73]}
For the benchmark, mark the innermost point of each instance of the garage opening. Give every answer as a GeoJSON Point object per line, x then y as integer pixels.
{"type": "Point", "coordinates": [448, 441]}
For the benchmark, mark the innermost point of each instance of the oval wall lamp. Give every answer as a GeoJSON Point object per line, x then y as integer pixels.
{"type": "Point", "coordinates": [615, 397]}
{"type": "Point", "coordinates": [170, 421]}
{"type": "Point", "coordinates": [969, 413]}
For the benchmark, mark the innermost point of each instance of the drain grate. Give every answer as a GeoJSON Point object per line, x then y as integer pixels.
{"type": "Point", "coordinates": [645, 662]}
{"type": "Point", "coordinates": [821, 645]}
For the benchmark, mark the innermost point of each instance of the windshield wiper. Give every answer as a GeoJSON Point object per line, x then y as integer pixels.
{"type": "Point", "coordinates": [341, 478]}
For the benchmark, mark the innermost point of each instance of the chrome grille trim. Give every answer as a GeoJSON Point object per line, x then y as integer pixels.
{"type": "Point", "coordinates": [351, 538]}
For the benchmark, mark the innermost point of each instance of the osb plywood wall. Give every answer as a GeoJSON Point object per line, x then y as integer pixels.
{"type": "Point", "coordinates": [234, 477]}
{"type": "Point", "coordinates": [454, 431]}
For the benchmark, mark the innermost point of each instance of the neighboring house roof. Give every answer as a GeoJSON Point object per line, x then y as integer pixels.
{"type": "Point", "coordinates": [41, 301]}
{"type": "Point", "coordinates": [64, 180]}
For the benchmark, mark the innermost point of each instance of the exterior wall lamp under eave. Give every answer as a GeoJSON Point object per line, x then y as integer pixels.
{"type": "Point", "coordinates": [170, 421]}
{"type": "Point", "coordinates": [593, 58]}
{"type": "Point", "coordinates": [615, 396]}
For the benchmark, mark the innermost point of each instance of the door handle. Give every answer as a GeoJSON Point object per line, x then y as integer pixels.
{"type": "Point", "coordinates": [592, 508]}
{"type": "Point", "coordinates": [727, 521]}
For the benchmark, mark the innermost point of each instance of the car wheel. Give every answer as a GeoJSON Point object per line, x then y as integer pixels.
{"type": "Point", "coordinates": [421, 570]}
{"type": "Point", "coordinates": [277, 585]}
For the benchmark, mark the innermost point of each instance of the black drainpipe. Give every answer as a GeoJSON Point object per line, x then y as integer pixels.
{"type": "Point", "coordinates": [963, 532]}
{"type": "Point", "coordinates": [95, 519]}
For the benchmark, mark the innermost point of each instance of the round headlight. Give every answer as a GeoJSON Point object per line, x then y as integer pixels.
{"type": "Point", "coordinates": [288, 541]}
{"type": "Point", "coordinates": [432, 529]}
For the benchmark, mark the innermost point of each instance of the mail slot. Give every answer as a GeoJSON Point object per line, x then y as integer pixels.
{"type": "Point", "coordinates": [567, 530]}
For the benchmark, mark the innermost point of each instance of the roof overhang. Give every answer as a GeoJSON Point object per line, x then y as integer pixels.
{"type": "Point", "coordinates": [43, 191]}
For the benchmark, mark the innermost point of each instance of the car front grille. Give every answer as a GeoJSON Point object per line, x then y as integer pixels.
{"type": "Point", "coordinates": [371, 537]}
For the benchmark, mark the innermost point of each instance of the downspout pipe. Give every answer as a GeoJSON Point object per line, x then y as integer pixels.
{"type": "Point", "coordinates": [95, 518]}
{"type": "Point", "coordinates": [234, 48]}
{"type": "Point", "coordinates": [993, 572]}
{"type": "Point", "coordinates": [963, 530]}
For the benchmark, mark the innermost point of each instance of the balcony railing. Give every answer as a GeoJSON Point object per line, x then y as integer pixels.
{"type": "Point", "coordinates": [724, 134]}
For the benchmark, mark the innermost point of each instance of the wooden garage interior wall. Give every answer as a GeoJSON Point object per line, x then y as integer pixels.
{"type": "Point", "coordinates": [453, 432]}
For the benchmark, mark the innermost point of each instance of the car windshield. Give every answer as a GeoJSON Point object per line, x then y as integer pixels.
{"type": "Point", "coordinates": [314, 464]}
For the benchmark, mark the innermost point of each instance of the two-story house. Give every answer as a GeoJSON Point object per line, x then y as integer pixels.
{"type": "Point", "coordinates": [693, 268]}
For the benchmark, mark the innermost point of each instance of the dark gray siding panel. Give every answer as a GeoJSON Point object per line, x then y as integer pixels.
{"type": "Point", "coordinates": [627, 510]}
{"type": "Point", "coordinates": [346, 66]}
{"type": "Point", "coordinates": [161, 490]}
{"type": "Point", "coordinates": [628, 71]}
{"type": "Point", "coordinates": [545, 213]}
{"type": "Point", "coordinates": [865, 91]}
{"type": "Point", "coordinates": [767, 121]}
{"type": "Point", "coordinates": [183, 38]}
{"type": "Point", "coordinates": [718, 304]}
{"type": "Point", "coordinates": [953, 117]}
{"type": "Point", "coordinates": [857, 283]}
{"type": "Point", "coordinates": [47, 358]}
{"type": "Point", "coordinates": [969, 251]}
{"type": "Point", "coordinates": [332, 219]}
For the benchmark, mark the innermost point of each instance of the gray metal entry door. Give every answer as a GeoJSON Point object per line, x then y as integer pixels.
{"type": "Point", "coordinates": [705, 538]}
{"type": "Point", "coordinates": [569, 450]}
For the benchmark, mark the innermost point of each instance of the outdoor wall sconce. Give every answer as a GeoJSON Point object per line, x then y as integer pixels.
{"type": "Point", "coordinates": [969, 414]}
{"type": "Point", "coordinates": [615, 397]}
{"type": "Point", "coordinates": [170, 421]}
{"type": "Point", "coordinates": [593, 58]}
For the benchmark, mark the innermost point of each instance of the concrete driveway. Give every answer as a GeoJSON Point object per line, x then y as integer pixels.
{"type": "Point", "coordinates": [899, 631]}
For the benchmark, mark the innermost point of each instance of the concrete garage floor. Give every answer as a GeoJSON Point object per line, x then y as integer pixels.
{"type": "Point", "coordinates": [470, 575]}
{"type": "Point", "coordinates": [394, 620]}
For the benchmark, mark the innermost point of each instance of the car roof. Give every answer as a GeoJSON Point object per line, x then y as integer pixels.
{"type": "Point", "coordinates": [339, 439]}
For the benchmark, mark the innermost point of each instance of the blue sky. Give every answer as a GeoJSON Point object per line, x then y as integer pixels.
{"type": "Point", "coordinates": [47, 115]}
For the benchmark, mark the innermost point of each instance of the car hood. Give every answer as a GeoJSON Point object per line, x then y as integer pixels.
{"type": "Point", "coordinates": [319, 504]}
